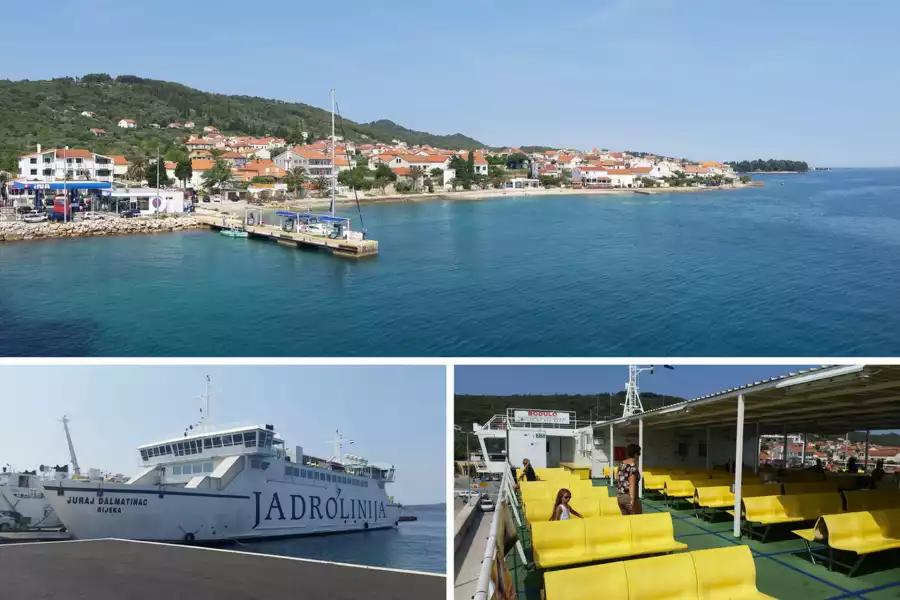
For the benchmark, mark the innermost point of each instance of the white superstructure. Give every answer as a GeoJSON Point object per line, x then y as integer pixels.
{"type": "Point", "coordinates": [22, 493]}
{"type": "Point", "coordinates": [229, 484]}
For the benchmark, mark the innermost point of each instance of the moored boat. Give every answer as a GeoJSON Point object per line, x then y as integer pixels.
{"type": "Point", "coordinates": [235, 483]}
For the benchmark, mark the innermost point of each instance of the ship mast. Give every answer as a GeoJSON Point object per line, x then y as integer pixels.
{"type": "Point", "coordinates": [75, 468]}
{"type": "Point", "coordinates": [333, 166]}
{"type": "Point", "coordinates": [206, 417]}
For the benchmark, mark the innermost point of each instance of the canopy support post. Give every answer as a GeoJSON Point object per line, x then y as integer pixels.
{"type": "Point", "coordinates": [758, 451]}
{"type": "Point", "coordinates": [641, 457]}
{"type": "Point", "coordinates": [612, 463]}
{"type": "Point", "coordinates": [866, 463]}
{"type": "Point", "coordinates": [738, 468]}
{"type": "Point", "coordinates": [803, 453]}
{"type": "Point", "coordinates": [784, 449]}
{"type": "Point", "coordinates": [708, 440]}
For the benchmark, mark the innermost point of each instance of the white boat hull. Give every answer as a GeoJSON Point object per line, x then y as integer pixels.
{"type": "Point", "coordinates": [92, 510]}
{"type": "Point", "coordinates": [30, 503]}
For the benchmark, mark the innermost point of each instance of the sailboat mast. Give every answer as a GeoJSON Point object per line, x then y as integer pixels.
{"type": "Point", "coordinates": [333, 166]}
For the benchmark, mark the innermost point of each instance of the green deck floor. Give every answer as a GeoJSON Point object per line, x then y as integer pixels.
{"type": "Point", "coordinates": [783, 568]}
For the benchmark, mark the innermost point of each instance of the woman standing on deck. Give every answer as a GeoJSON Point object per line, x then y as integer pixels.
{"type": "Point", "coordinates": [627, 481]}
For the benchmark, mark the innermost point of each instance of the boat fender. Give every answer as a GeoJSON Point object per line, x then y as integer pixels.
{"type": "Point", "coordinates": [365, 525]}
{"type": "Point", "coordinates": [189, 537]}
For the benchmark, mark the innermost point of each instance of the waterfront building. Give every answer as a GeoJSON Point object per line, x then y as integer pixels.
{"type": "Point", "coordinates": [127, 123]}
{"type": "Point", "coordinates": [73, 164]}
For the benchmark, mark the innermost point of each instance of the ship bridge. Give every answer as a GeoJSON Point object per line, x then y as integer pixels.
{"type": "Point", "coordinates": [546, 437]}
{"type": "Point", "coordinates": [253, 439]}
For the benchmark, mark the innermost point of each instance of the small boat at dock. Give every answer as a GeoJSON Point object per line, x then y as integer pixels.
{"type": "Point", "coordinates": [234, 232]}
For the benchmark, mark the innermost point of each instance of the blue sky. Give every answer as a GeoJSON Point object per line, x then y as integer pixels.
{"type": "Point", "coordinates": [393, 414]}
{"type": "Point", "coordinates": [806, 80]}
{"type": "Point", "coordinates": [685, 381]}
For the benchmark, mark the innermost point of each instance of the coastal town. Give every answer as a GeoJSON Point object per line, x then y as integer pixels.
{"type": "Point", "coordinates": [830, 454]}
{"type": "Point", "coordinates": [206, 171]}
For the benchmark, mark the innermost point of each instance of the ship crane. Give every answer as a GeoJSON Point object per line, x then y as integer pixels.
{"type": "Point", "coordinates": [633, 404]}
{"type": "Point", "coordinates": [76, 470]}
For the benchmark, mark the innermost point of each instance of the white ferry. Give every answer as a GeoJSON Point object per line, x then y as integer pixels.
{"type": "Point", "coordinates": [236, 483]}
{"type": "Point", "coordinates": [21, 494]}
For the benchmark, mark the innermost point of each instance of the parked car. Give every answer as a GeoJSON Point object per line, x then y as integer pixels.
{"type": "Point", "coordinates": [130, 213]}
{"type": "Point", "coordinates": [486, 504]}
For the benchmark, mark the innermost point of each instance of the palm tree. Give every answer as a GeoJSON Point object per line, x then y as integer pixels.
{"type": "Point", "coordinates": [295, 179]}
{"type": "Point", "coordinates": [415, 174]}
{"type": "Point", "coordinates": [137, 168]}
{"type": "Point", "coordinates": [321, 184]}
{"type": "Point", "coordinates": [4, 179]}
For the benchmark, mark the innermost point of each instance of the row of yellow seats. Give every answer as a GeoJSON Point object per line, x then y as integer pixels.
{"type": "Point", "coordinates": [768, 510]}
{"type": "Point", "coordinates": [550, 473]}
{"type": "Point", "coordinates": [549, 489]}
{"type": "Point", "coordinates": [538, 511]}
{"type": "Point", "coordinates": [853, 500]}
{"type": "Point", "coordinates": [577, 541]}
{"type": "Point", "coordinates": [720, 573]}
{"type": "Point", "coordinates": [862, 532]}
{"type": "Point", "coordinates": [685, 488]}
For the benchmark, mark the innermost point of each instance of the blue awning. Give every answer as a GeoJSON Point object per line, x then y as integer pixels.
{"type": "Point", "coordinates": [334, 219]}
{"type": "Point", "coordinates": [58, 185]}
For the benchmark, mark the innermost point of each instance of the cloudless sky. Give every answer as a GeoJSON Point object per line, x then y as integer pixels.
{"type": "Point", "coordinates": [709, 80]}
{"type": "Point", "coordinates": [687, 382]}
{"type": "Point", "coordinates": [394, 415]}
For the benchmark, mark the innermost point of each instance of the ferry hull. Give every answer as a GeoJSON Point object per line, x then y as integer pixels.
{"type": "Point", "coordinates": [157, 513]}
{"type": "Point", "coordinates": [32, 504]}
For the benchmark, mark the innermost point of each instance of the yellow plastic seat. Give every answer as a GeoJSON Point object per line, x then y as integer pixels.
{"type": "Point", "coordinates": [661, 577]}
{"type": "Point", "coordinates": [585, 583]}
{"type": "Point", "coordinates": [718, 496]}
{"type": "Point", "coordinates": [607, 538]}
{"type": "Point", "coordinates": [760, 489]}
{"type": "Point", "coordinates": [858, 500]}
{"type": "Point", "coordinates": [653, 533]}
{"type": "Point", "coordinates": [557, 543]}
{"type": "Point", "coordinates": [725, 573]}
{"type": "Point", "coordinates": [609, 507]}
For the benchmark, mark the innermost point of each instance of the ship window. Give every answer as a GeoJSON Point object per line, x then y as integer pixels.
{"type": "Point", "coordinates": [217, 442]}
{"type": "Point", "coordinates": [179, 449]}
{"type": "Point", "coordinates": [197, 446]}
{"type": "Point", "coordinates": [168, 448]}
{"type": "Point", "coordinates": [288, 471]}
{"type": "Point", "coordinates": [207, 443]}
{"type": "Point", "coordinates": [249, 440]}
{"type": "Point", "coordinates": [143, 455]}
{"type": "Point", "coordinates": [226, 440]}
{"type": "Point", "coordinates": [303, 473]}
{"type": "Point", "coordinates": [198, 468]}
{"type": "Point", "coordinates": [176, 470]}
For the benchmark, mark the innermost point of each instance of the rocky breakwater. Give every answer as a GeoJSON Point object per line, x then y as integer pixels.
{"type": "Point", "coordinates": [18, 231]}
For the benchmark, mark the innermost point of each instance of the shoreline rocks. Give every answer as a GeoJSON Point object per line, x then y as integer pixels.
{"type": "Point", "coordinates": [21, 231]}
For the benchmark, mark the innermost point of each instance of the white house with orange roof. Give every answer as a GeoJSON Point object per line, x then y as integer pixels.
{"type": "Point", "coordinates": [73, 164]}
{"type": "Point", "coordinates": [568, 161]}
{"type": "Point", "coordinates": [198, 144]}
{"type": "Point", "coordinates": [621, 178]}
{"type": "Point", "coordinates": [591, 176]}
{"type": "Point", "coordinates": [315, 162]}
{"type": "Point", "coordinates": [127, 123]}
{"type": "Point", "coordinates": [210, 129]}
{"type": "Point", "coordinates": [189, 125]}
{"type": "Point", "coordinates": [120, 165]}
{"type": "Point", "coordinates": [480, 162]}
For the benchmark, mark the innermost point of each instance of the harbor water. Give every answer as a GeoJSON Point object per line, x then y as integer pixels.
{"type": "Point", "coordinates": [807, 268]}
{"type": "Point", "coordinates": [419, 545]}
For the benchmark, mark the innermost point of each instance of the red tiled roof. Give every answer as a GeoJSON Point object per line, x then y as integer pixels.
{"type": "Point", "coordinates": [118, 159]}
{"type": "Point", "coordinates": [200, 164]}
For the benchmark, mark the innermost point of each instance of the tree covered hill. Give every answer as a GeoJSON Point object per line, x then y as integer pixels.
{"type": "Point", "coordinates": [761, 166]}
{"type": "Point", "coordinates": [469, 409]}
{"type": "Point", "coordinates": [49, 113]}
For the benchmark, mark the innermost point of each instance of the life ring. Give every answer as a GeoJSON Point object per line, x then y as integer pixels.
{"type": "Point", "coordinates": [251, 219]}
{"type": "Point", "coordinates": [189, 537]}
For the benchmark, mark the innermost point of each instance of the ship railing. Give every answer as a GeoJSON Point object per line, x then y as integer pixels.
{"type": "Point", "coordinates": [490, 578]}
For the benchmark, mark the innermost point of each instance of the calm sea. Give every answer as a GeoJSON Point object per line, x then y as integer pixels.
{"type": "Point", "coordinates": [415, 545]}
{"type": "Point", "coordinates": [807, 268]}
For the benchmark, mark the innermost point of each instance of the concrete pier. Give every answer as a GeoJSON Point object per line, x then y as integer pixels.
{"type": "Point", "coordinates": [344, 248]}
{"type": "Point", "coordinates": [116, 569]}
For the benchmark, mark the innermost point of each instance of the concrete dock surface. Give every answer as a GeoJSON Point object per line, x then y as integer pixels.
{"type": "Point", "coordinates": [116, 569]}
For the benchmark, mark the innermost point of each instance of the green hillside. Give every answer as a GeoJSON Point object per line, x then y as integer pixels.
{"type": "Point", "coordinates": [598, 407]}
{"type": "Point", "coordinates": [49, 113]}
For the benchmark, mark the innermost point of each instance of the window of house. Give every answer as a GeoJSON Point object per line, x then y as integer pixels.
{"type": "Point", "coordinates": [34, 171]}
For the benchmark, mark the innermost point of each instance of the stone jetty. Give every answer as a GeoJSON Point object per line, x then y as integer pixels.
{"type": "Point", "coordinates": [17, 231]}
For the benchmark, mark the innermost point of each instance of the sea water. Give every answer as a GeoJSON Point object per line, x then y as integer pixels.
{"type": "Point", "coordinates": [419, 545]}
{"type": "Point", "coordinates": [807, 268]}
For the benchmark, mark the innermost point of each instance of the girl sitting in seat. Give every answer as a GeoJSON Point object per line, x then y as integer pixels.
{"type": "Point", "coordinates": [561, 509]}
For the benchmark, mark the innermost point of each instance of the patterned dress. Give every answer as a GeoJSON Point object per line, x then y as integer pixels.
{"type": "Point", "coordinates": [623, 488]}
